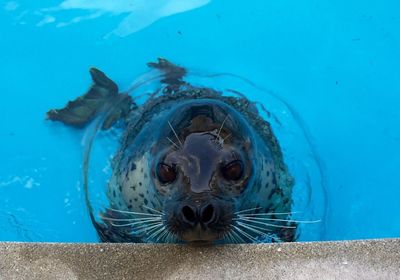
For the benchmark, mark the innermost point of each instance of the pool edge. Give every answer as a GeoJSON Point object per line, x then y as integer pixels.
{"type": "Point", "coordinates": [361, 259]}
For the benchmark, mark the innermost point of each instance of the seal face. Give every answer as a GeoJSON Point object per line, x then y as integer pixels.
{"type": "Point", "coordinates": [200, 164]}
{"type": "Point", "coordinates": [194, 166]}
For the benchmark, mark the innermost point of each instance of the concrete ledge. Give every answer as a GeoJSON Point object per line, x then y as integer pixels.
{"type": "Point", "coordinates": [373, 259]}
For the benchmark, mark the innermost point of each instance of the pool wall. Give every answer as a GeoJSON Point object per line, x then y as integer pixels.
{"type": "Point", "coordinates": [372, 259]}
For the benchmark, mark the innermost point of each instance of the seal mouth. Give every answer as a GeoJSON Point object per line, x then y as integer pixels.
{"type": "Point", "coordinates": [199, 234]}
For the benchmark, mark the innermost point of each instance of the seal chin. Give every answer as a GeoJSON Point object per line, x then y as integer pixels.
{"type": "Point", "coordinates": [199, 235]}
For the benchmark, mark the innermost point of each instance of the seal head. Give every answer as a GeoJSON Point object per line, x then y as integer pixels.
{"type": "Point", "coordinates": [199, 164]}
{"type": "Point", "coordinates": [202, 171]}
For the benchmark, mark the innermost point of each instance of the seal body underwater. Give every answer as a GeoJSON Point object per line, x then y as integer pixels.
{"type": "Point", "coordinates": [193, 165]}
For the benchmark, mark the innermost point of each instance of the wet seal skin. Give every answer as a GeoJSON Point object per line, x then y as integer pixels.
{"type": "Point", "coordinates": [194, 166]}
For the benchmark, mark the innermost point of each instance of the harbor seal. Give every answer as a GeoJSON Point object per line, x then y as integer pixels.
{"type": "Point", "coordinates": [194, 166]}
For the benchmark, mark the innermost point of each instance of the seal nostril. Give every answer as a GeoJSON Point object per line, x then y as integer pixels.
{"type": "Point", "coordinates": [188, 214]}
{"type": "Point", "coordinates": [208, 214]}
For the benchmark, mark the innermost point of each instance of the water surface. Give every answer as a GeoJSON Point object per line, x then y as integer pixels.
{"type": "Point", "coordinates": [336, 63]}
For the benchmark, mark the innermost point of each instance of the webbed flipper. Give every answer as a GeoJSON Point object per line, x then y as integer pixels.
{"type": "Point", "coordinates": [173, 74]}
{"type": "Point", "coordinates": [102, 96]}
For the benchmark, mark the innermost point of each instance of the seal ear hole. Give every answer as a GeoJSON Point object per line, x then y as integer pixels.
{"type": "Point", "coordinates": [233, 170]}
{"type": "Point", "coordinates": [166, 174]}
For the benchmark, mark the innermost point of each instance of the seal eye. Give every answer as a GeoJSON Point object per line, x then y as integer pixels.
{"type": "Point", "coordinates": [233, 170]}
{"type": "Point", "coordinates": [165, 173]}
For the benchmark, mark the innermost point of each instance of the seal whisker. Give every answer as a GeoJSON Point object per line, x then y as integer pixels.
{"type": "Point", "coordinates": [228, 237]}
{"type": "Point", "coordinates": [173, 143]}
{"type": "Point", "coordinates": [140, 223]}
{"type": "Point", "coordinates": [176, 135]}
{"type": "Point", "coordinates": [259, 230]}
{"type": "Point", "coordinates": [235, 238]}
{"type": "Point", "coordinates": [226, 137]}
{"type": "Point", "coordinates": [122, 225]}
{"type": "Point", "coordinates": [133, 213]}
{"type": "Point", "coordinates": [171, 238]}
{"type": "Point", "coordinates": [129, 219]}
{"type": "Point", "coordinates": [132, 224]}
{"type": "Point", "coordinates": [263, 223]}
{"type": "Point", "coordinates": [246, 210]}
{"type": "Point", "coordinates": [254, 229]}
{"type": "Point", "coordinates": [162, 236]}
{"type": "Point", "coordinates": [237, 235]}
{"type": "Point", "coordinates": [283, 220]}
{"type": "Point", "coordinates": [253, 226]}
{"type": "Point", "coordinates": [154, 210]}
{"type": "Point", "coordinates": [155, 229]}
{"type": "Point", "coordinates": [222, 125]}
{"type": "Point", "coordinates": [147, 227]}
{"type": "Point", "coordinates": [156, 233]}
{"type": "Point", "coordinates": [246, 226]}
{"type": "Point", "coordinates": [248, 236]}
{"type": "Point", "coordinates": [265, 214]}
{"type": "Point", "coordinates": [166, 236]}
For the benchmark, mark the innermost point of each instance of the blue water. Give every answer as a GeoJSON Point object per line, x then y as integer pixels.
{"type": "Point", "coordinates": [336, 62]}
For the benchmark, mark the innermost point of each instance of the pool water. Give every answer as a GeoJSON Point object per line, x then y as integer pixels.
{"type": "Point", "coordinates": [336, 64]}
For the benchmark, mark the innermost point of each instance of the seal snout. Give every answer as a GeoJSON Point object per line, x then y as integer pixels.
{"type": "Point", "coordinates": [200, 221]}
{"type": "Point", "coordinates": [204, 214]}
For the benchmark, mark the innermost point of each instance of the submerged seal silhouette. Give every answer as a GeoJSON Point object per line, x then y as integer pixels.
{"type": "Point", "coordinates": [193, 165]}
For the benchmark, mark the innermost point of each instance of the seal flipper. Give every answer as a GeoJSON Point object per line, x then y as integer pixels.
{"type": "Point", "coordinates": [173, 74]}
{"type": "Point", "coordinates": [102, 95]}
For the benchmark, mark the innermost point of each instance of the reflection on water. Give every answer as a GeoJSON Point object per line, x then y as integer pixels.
{"type": "Point", "coordinates": [138, 13]}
